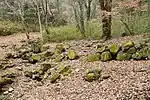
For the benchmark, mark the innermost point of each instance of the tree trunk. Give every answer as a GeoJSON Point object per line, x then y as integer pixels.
{"type": "Point", "coordinates": [82, 28]}
{"type": "Point", "coordinates": [39, 15]}
{"type": "Point", "coordinates": [88, 9]}
{"type": "Point", "coordinates": [76, 17]}
{"type": "Point", "coordinates": [106, 7]}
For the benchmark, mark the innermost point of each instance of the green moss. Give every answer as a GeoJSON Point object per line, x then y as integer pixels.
{"type": "Point", "coordinates": [36, 57]}
{"type": "Point", "coordinates": [114, 48]}
{"type": "Point", "coordinates": [93, 57]}
{"type": "Point", "coordinates": [59, 57]}
{"type": "Point", "coordinates": [127, 45]}
{"type": "Point", "coordinates": [123, 56]}
{"type": "Point", "coordinates": [137, 56]}
{"type": "Point", "coordinates": [92, 75]}
{"type": "Point", "coordinates": [131, 50]}
{"type": "Point", "coordinates": [102, 49]}
{"type": "Point", "coordinates": [72, 55]}
{"type": "Point", "coordinates": [106, 56]}
{"type": "Point", "coordinates": [54, 77]}
{"type": "Point", "coordinates": [63, 69]}
{"type": "Point", "coordinates": [59, 49]}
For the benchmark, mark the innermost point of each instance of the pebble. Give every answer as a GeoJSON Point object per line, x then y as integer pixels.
{"type": "Point", "coordinates": [6, 92]}
{"type": "Point", "coordinates": [77, 70]}
{"type": "Point", "coordinates": [11, 89]}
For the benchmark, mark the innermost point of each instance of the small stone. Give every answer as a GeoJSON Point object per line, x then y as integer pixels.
{"type": "Point", "coordinates": [77, 70]}
{"type": "Point", "coordinates": [11, 89]}
{"type": "Point", "coordinates": [6, 92]}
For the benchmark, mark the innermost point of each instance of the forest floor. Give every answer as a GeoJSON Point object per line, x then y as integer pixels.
{"type": "Point", "coordinates": [130, 80]}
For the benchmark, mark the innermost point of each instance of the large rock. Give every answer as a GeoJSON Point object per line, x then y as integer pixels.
{"type": "Point", "coordinates": [102, 49]}
{"type": "Point", "coordinates": [131, 50]}
{"type": "Point", "coordinates": [114, 48]}
{"type": "Point", "coordinates": [106, 56]}
{"type": "Point", "coordinates": [72, 55]}
{"type": "Point", "coordinates": [92, 75]}
{"type": "Point", "coordinates": [59, 49]}
{"type": "Point", "coordinates": [137, 56]}
{"type": "Point", "coordinates": [59, 57]}
{"type": "Point", "coordinates": [54, 77]}
{"type": "Point", "coordinates": [62, 70]}
{"type": "Point", "coordinates": [93, 57]}
{"type": "Point", "coordinates": [127, 45]}
{"type": "Point", "coordinates": [123, 56]}
{"type": "Point", "coordinates": [36, 72]}
{"type": "Point", "coordinates": [143, 53]}
{"type": "Point", "coordinates": [35, 58]}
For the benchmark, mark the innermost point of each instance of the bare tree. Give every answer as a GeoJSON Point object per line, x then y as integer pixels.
{"type": "Point", "coordinates": [37, 4]}
{"type": "Point", "coordinates": [106, 7]}
{"type": "Point", "coordinates": [87, 4]}
{"type": "Point", "coordinates": [81, 15]}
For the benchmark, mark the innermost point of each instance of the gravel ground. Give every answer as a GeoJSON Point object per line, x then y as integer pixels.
{"type": "Point", "coordinates": [129, 80]}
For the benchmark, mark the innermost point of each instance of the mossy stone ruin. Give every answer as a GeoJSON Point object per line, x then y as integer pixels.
{"type": "Point", "coordinates": [127, 51]}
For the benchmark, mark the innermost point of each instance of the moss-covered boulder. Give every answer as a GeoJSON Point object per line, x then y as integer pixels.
{"type": "Point", "coordinates": [127, 45]}
{"type": "Point", "coordinates": [106, 56]}
{"type": "Point", "coordinates": [137, 56]}
{"type": "Point", "coordinates": [35, 58]}
{"type": "Point", "coordinates": [36, 72]}
{"type": "Point", "coordinates": [114, 48]}
{"type": "Point", "coordinates": [131, 50]}
{"type": "Point", "coordinates": [123, 56]}
{"type": "Point", "coordinates": [92, 75]}
{"type": "Point", "coordinates": [62, 70]}
{"type": "Point", "coordinates": [54, 77]}
{"type": "Point", "coordinates": [102, 49]}
{"type": "Point", "coordinates": [59, 49]}
{"type": "Point", "coordinates": [93, 57]}
{"type": "Point", "coordinates": [145, 52]}
{"type": "Point", "coordinates": [72, 55]}
{"type": "Point", "coordinates": [59, 57]}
